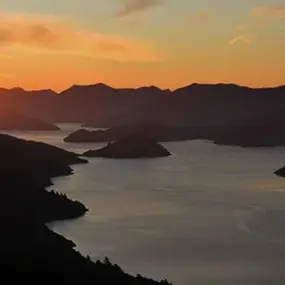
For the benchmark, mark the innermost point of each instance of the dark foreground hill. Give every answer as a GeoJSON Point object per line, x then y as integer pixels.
{"type": "Point", "coordinates": [133, 146]}
{"type": "Point", "coordinates": [34, 161]}
{"type": "Point", "coordinates": [29, 251]}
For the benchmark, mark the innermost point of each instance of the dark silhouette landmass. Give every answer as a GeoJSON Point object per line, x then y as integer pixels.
{"type": "Point", "coordinates": [157, 132]}
{"type": "Point", "coordinates": [280, 172]}
{"type": "Point", "coordinates": [14, 121]}
{"type": "Point", "coordinates": [267, 136]}
{"type": "Point", "coordinates": [247, 136]}
{"type": "Point", "coordinates": [211, 111]}
{"type": "Point", "coordinates": [10, 121]}
{"type": "Point", "coordinates": [35, 161]}
{"type": "Point", "coordinates": [29, 251]}
{"type": "Point", "coordinates": [133, 146]}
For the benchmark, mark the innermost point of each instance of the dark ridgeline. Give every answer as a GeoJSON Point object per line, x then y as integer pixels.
{"type": "Point", "coordinates": [133, 146]}
{"type": "Point", "coordinates": [17, 114]}
{"type": "Point", "coordinates": [224, 113]}
{"type": "Point", "coordinates": [29, 251]}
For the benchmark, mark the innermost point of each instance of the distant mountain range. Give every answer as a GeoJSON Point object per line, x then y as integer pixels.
{"type": "Point", "coordinates": [10, 121]}
{"type": "Point", "coordinates": [210, 106]}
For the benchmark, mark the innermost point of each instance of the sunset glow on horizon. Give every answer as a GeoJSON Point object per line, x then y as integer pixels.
{"type": "Point", "coordinates": [131, 43]}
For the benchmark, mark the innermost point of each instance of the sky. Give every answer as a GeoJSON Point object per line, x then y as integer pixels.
{"type": "Point", "coordinates": [130, 43]}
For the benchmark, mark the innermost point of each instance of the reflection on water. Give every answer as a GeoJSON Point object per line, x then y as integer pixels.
{"type": "Point", "coordinates": [205, 215]}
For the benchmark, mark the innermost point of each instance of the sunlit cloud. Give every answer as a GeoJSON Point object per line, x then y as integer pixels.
{"type": "Point", "coordinates": [270, 12]}
{"type": "Point", "coordinates": [245, 38]}
{"type": "Point", "coordinates": [57, 35]}
{"type": "Point", "coordinates": [133, 6]}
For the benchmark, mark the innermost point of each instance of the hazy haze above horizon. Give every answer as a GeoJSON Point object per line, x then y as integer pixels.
{"type": "Point", "coordinates": [130, 43]}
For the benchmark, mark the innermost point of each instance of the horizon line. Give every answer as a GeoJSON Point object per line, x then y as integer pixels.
{"type": "Point", "coordinates": [142, 86]}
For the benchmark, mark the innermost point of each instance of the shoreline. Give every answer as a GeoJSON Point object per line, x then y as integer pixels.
{"type": "Point", "coordinates": [28, 248]}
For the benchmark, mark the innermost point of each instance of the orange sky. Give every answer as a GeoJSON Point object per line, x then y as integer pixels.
{"type": "Point", "coordinates": [132, 43]}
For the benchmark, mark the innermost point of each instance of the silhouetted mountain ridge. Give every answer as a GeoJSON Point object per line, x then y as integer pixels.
{"type": "Point", "coordinates": [196, 105]}
{"type": "Point", "coordinates": [99, 87]}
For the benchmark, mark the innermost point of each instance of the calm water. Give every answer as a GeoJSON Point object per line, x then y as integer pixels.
{"type": "Point", "coordinates": [205, 215]}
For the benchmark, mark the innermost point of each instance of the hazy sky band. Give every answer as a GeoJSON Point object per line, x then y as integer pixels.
{"type": "Point", "coordinates": [168, 43]}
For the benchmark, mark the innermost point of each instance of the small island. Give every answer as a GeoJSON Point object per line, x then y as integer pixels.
{"type": "Point", "coordinates": [134, 146]}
